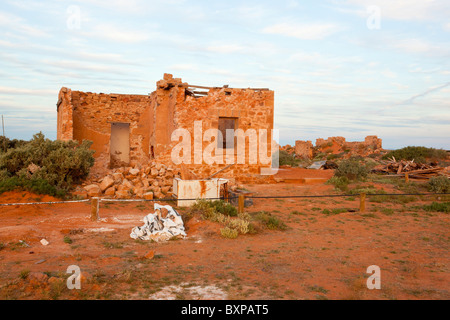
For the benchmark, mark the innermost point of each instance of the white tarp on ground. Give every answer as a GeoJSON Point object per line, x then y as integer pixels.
{"type": "Point", "coordinates": [157, 228]}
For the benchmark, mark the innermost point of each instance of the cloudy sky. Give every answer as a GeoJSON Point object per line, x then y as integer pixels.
{"type": "Point", "coordinates": [347, 68]}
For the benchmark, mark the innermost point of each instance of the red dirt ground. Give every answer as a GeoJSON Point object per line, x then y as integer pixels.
{"type": "Point", "coordinates": [319, 256]}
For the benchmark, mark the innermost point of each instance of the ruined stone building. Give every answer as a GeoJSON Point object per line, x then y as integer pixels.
{"type": "Point", "coordinates": [133, 130]}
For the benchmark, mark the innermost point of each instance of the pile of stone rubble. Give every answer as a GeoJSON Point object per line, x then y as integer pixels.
{"type": "Point", "coordinates": [149, 182]}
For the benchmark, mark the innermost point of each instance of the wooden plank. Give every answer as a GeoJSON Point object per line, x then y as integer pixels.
{"type": "Point", "coordinates": [241, 203]}
{"type": "Point", "coordinates": [200, 87]}
{"type": "Point", "coordinates": [362, 202]}
{"type": "Point", "coordinates": [94, 208]}
{"type": "Point", "coordinates": [230, 165]}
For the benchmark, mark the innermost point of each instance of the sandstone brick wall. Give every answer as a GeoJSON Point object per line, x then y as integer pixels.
{"type": "Point", "coordinates": [91, 115]}
{"type": "Point", "coordinates": [252, 109]}
{"type": "Point", "coordinates": [304, 149]}
{"type": "Point", "coordinates": [338, 145]}
{"type": "Point", "coordinates": [65, 115]}
{"type": "Point", "coordinates": [153, 118]}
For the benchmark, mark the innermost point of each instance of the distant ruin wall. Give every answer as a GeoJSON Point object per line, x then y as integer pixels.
{"type": "Point", "coordinates": [304, 149]}
{"type": "Point", "coordinates": [336, 145]}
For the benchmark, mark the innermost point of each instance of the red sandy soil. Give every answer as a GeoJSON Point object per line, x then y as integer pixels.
{"type": "Point", "coordinates": [318, 256]}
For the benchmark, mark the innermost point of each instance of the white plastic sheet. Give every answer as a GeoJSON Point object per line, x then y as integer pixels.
{"type": "Point", "coordinates": [157, 228]}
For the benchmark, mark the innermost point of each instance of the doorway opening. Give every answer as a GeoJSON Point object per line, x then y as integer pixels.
{"type": "Point", "coordinates": [120, 144]}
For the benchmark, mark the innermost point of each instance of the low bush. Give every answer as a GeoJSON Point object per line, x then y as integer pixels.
{"type": "Point", "coordinates": [45, 166]}
{"type": "Point", "coordinates": [224, 208]}
{"type": "Point", "coordinates": [439, 184]}
{"type": "Point", "coordinates": [418, 154]}
{"type": "Point", "coordinates": [438, 207]}
{"type": "Point", "coordinates": [340, 183]}
{"type": "Point", "coordinates": [229, 233]}
{"type": "Point", "coordinates": [223, 213]}
{"type": "Point", "coordinates": [351, 169]}
{"type": "Point", "coordinates": [270, 221]}
{"type": "Point", "coordinates": [285, 158]}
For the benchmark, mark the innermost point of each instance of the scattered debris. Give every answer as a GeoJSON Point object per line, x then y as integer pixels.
{"type": "Point", "coordinates": [211, 292]}
{"type": "Point", "coordinates": [150, 255]}
{"type": "Point", "coordinates": [44, 242]}
{"type": "Point", "coordinates": [99, 230]}
{"type": "Point", "coordinates": [40, 261]}
{"type": "Point", "coordinates": [157, 228]}
{"type": "Point", "coordinates": [24, 243]}
{"type": "Point", "coordinates": [414, 170]}
{"type": "Point", "coordinates": [317, 164]}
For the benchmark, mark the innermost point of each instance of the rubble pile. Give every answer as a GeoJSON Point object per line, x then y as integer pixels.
{"type": "Point", "coordinates": [149, 182]}
{"type": "Point", "coordinates": [154, 181]}
{"type": "Point", "coordinates": [414, 170]}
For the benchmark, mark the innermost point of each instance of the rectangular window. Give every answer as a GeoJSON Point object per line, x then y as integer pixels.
{"type": "Point", "coordinates": [224, 124]}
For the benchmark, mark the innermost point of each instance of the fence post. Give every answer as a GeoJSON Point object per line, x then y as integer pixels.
{"type": "Point", "coordinates": [406, 177]}
{"type": "Point", "coordinates": [241, 203]}
{"type": "Point", "coordinates": [362, 202]}
{"type": "Point", "coordinates": [94, 208]}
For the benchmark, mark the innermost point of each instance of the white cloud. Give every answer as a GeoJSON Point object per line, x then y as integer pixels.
{"type": "Point", "coordinates": [15, 90]}
{"type": "Point", "coordinates": [225, 48]}
{"type": "Point", "coordinates": [17, 24]}
{"type": "Point", "coordinates": [446, 26]}
{"type": "Point", "coordinates": [76, 65]}
{"type": "Point", "coordinates": [307, 31]}
{"type": "Point", "coordinates": [416, 45]}
{"type": "Point", "coordinates": [404, 9]}
{"type": "Point", "coordinates": [119, 35]}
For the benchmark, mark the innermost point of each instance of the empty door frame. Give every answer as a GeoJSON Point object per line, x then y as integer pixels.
{"type": "Point", "coordinates": [119, 144]}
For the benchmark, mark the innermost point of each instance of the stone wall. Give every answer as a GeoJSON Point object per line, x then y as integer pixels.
{"type": "Point", "coordinates": [153, 118]}
{"type": "Point", "coordinates": [337, 145]}
{"type": "Point", "coordinates": [252, 109]}
{"type": "Point", "coordinates": [65, 115]}
{"type": "Point", "coordinates": [304, 149]}
{"type": "Point", "coordinates": [92, 116]}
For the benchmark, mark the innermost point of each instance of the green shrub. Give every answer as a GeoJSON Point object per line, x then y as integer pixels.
{"type": "Point", "coordinates": [223, 213]}
{"type": "Point", "coordinates": [439, 184]}
{"type": "Point", "coordinates": [229, 233]}
{"type": "Point", "coordinates": [351, 169]}
{"type": "Point", "coordinates": [24, 274]}
{"type": "Point", "coordinates": [340, 183]}
{"type": "Point", "coordinates": [67, 240]}
{"type": "Point", "coordinates": [203, 208]}
{"type": "Point", "coordinates": [6, 144]}
{"type": "Point", "coordinates": [418, 154]}
{"type": "Point", "coordinates": [370, 189]}
{"type": "Point", "coordinates": [224, 208]}
{"type": "Point", "coordinates": [438, 207]}
{"type": "Point", "coordinates": [46, 166]}
{"type": "Point", "coordinates": [284, 158]}
{"type": "Point", "coordinates": [38, 186]}
{"type": "Point", "coordinates": [270, 221]}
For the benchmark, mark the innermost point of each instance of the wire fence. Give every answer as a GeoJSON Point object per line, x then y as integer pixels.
{"type": "Point", "coordinates": [225, 198]}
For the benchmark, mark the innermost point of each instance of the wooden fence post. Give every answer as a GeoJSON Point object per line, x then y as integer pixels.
{"type": "Point", "coordinates": [241, 203]}
{"type": "Point", "coordinates": [406, 177]}
{"type": "Point", "coordinates": [362, 202]}
{"type": "Point", "coordinates": [94, 208]}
